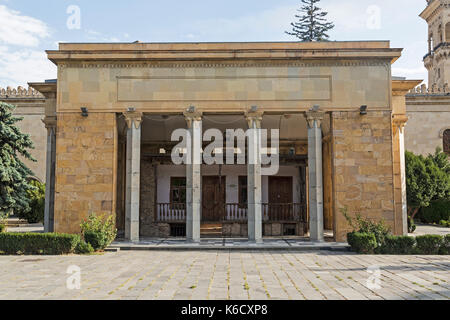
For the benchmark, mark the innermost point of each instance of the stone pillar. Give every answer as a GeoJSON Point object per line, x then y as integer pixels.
{"type": "Point", "coordinates": [400, 198]}
{"type": "Point", "coordinates": [194, 175]}
{"type": "Point", "coordinates": [49, 213]}
{"type": "Point", "coordinates": [254, 177]}
{"type": "Point", "coordinates": [133, 173]}
{"type": "Point", "coordinates": [314, 118]}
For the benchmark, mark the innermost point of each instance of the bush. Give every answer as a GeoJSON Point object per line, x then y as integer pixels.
{"type": "Point", "coordinates": [445, 224]}
{"type": "Point", "coordinates": [363, 225]}
{"type": "Point", "coordinates": [437, 211]}
{"type": "Point", "coordinates": [83, 248]}
{"type": "Point", "coordinates": [445, 248]}
{"type": "Point", "coordinates": [3, 218]}
{"type": "Point", "coordinates": [364, 243]}
{"type": "Point", "coordinates": [429, 244]}
{"type": "Point", "coordinates": [98, 231]}
{"type": "Point", "coordinates": [411, 225]}
{"type": "Point", "coordinates": [398, 245]}
{"type": "Point", "coordinates": [35, 213]}
{"type": "Point", "coordinates": [38, 244]}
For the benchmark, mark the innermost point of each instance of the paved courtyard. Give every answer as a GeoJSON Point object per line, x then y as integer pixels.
{"type": "Point", "coordinates": [225, 275]}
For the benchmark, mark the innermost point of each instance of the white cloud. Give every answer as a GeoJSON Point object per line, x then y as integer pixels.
{"type": "Point", "coordinates": [20, 60]}
{"type": "Point", "coordinates": [17, 29]}
{"type": "Point", "coordinates": [19, 67]}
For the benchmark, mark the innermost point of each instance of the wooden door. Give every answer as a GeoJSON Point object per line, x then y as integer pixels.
{"type": "Point", "coordinates": [280, 198]}
{"type": "Point", "coordinates": [213, 199]}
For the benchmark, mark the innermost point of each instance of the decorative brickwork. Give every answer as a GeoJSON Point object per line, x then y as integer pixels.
{"type": "Point", "coordinates": [363, 167]}
{"type": "Point", "coordinates": [86, 156]}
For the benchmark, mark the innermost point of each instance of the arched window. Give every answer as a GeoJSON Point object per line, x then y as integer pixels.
{"type": "Point", "coordinates": [447, 32]}
{"type": "Point", "coordinates": [447, 141]}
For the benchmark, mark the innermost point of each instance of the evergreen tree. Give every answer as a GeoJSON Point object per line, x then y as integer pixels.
{"type": "Point", "coordinates": [312, 24]}
{"type": "Point", "coordinates": [14, 174]}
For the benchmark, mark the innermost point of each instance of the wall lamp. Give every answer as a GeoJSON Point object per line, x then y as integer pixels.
{"type": "Point", "coordinates": [363, 110]}
{"type": "Point", "coordinates": [84, 112]}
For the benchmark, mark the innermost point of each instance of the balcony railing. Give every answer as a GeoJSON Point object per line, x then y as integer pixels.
{"type": "Point", "coordinates": [171, 212]}
{"type": "Point", "coordinates": [235, 212]}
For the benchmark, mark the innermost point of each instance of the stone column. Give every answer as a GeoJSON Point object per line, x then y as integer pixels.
{"type": "Point", "coordinates": [194, 175]}
{"type": "Point", "coordinates": [314, 118]}
{"type": "Point", "coordinates": [401, 206]}
{"type": "Point", "coordinates": [49, 213]}
{"type": "Point", "coordinates": [254, 177]}
{"type": "Point", "coordinates": [133, 175]}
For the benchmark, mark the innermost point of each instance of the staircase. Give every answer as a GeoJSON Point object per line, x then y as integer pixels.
{"type": "Point", "coordinates": [211, 230]}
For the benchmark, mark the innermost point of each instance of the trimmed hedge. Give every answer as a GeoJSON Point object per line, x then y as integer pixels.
{"type": "Point", "coordinates": [98, 240]}
{"type": "Point", "coordinates": [398, 245]}
{"type": "Point", "coordinates": [445, 248]}
{"type": "Point", "coordinates": [38, 244]}
{"type": "Point", "coordinates": [364, 243]}
{"type": "Point", "coordinates": [429, 244]}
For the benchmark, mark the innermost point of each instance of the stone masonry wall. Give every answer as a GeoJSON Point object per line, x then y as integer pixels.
{"type": "Point", "coordinates": [86, 166]}
{"type": "Point", "coordinates": [363, 167]}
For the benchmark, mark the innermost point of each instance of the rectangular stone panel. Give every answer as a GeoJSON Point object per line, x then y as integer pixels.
{"type": "Point", "coordinates": [250, 88]}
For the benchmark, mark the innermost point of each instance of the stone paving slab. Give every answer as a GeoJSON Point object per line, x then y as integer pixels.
{"type": "Point", "coordinates": [232, 275]}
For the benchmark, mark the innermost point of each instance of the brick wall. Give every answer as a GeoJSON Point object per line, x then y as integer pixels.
{"type": "Point", "coordinates": [86, 165]}
{"type": "Point", "coordinates": [363, 167]}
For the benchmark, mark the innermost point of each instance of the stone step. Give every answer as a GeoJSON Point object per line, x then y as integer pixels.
{"type": "Point", "coordinates": [211, 229]}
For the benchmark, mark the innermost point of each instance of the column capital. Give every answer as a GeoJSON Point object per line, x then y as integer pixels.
{"type": "Point", "coordinates": [192, 115]}
{"type": "Point", "coordinates": [50, 122]}
{"type": "Point", "coordinates": [254, 117]}
{"type": "Point", "coordinates": [399, 122]}
{"type": "Point", "coordinates": [133, 117]}
{"type": "Point", "coordinates": [314, 115]}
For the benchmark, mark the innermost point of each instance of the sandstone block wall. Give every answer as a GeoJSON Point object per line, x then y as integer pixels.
{"type": "Point", "coordinates": [86, 166]}
{"type": "Point", "coordinates": [363, 167]}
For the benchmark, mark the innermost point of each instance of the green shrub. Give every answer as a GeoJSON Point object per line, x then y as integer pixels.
{"type": "Point", "coordinates": [429, 244]}
{"type": "Point", "coordinates": [83, 248]}
{"type": "Point", "coordinates": [411, 225]}
{"type": "Point", "coordinates": [98, 231]}
{"type": "Point", "coordinates": [363, 225]}
{"type": "Point", "coordinates": [38, 244]}
{"type": "Point", "coordinates": [3, 218]}
{"type": "Point", "coordinates": [35, 213]}
{"type": "Point", "coordinates": [437, 211]}
{"type": "Point", "coordinates": [444, 223]}
{"type": "Point", "coordinates": [445, 248]}
{"type": "Point", "coordinates": [364, 243]}
{"type": "Point", "coordinates": [398, 245]}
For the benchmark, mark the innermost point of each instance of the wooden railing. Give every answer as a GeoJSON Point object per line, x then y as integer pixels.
{"type": "Point", "coordinates": [171, 212]}
{"type": "Point", "coordinates": [275, 212]}
{"type": "Point", "coordinates": [272, 212]}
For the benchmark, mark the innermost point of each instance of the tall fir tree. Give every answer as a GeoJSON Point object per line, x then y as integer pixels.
{"type": "Point", "coordinates": [312, 24]}
{"type": "Point", "coordinates": [14, 174]}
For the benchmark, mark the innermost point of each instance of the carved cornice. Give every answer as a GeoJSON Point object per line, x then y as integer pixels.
{"type": "Point", "coordinates": [349, 63]}
{"type": "Point", "coordinates": [133, 118]}
{"type": "Point", "coordinates": [20, 92]}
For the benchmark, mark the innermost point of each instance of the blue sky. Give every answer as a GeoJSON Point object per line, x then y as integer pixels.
{"type": "Point", "coordinates": [28, 28]}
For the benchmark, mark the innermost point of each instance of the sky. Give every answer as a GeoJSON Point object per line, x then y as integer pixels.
{"type": "Point", "coordinates": [28, 28]}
